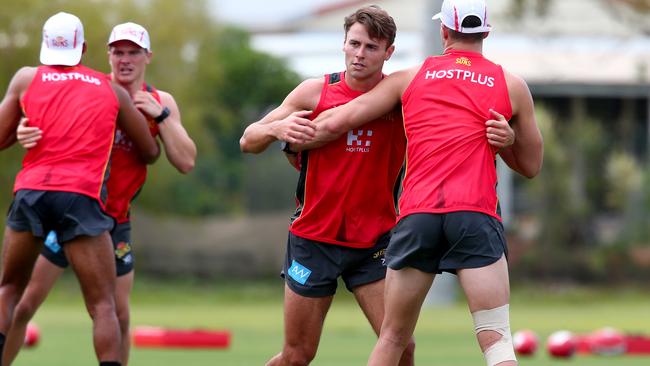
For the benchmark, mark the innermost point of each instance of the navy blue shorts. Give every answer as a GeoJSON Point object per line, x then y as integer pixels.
{"type": "Point", "coordinates": [312, 268]}
{"type": "Point", "coordinates": [434, 243]}
{"type": "Point", "coordinates": [68, 214]}
{"type": "Point", "coordinates": [121, 236]}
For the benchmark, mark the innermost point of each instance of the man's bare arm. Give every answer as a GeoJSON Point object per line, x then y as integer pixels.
{"type": "Point", "coordinates": [10, 109]}
{"type": "Point", "coordinates": [179, 146]}
{"type": "Point", "coordinates": [379, 101]}
{"type": "Point", "coordinates": [525, 155]}
{"type": "Point", "coordinates": [133, 123]}
{"type": "Point", "coordinates": [288, 122]}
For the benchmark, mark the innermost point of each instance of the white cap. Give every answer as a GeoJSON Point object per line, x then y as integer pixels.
{"type": "Point", "coordinates": [130, 32]}
{"type": "Point", "coordinates": [453, 13]}
{"type": "Point", "coordinates": [63, 40]}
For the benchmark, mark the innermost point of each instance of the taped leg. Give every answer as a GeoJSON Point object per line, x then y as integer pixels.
{"type": "Point", "coordinates": [496, 320]}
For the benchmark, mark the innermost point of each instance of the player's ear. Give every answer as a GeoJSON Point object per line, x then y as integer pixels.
{"type": "Point", "coordinates": [389, 52]}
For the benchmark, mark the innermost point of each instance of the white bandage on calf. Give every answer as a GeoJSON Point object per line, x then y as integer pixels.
{"type": "Point", "coordinates": [496, 320]}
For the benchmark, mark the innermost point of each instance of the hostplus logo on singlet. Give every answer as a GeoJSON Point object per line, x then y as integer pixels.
{"type": "Point", "coordinates": [122, 141]}
{"type": "Point", "coordinates": [359, 141]}
{"type": "Point", "coordinates": [56, 76]}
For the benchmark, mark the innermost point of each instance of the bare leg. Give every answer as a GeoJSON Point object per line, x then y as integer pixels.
{"type": "Point", "coordinates": [303, 324]}
{"type": "Point", "coordinates": [404, 295]}
{"type": "Point", "coordinates": [122, 294]}
{"type": "Point", "coordinates": [93, 261]}
{"type": "Point", "coordinates": [487, 288]}
{"type": "Point", "coordinates": [43, 278]}
{"type": "Point", "coordinates": [371, 300]}
{"type": "Point", "coordinates": [19, 252]}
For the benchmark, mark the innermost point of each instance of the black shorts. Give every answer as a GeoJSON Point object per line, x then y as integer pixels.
{"type": "Point", "coordinates": [312, 268]}
{"type": "Point", "coordinates": [434, 243]}
{"type": "Point", "coordinates": [68, 214]}
{"type": "Point", "coordinates": [121, 236]}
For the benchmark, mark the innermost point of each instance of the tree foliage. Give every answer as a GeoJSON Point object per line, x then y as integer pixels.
{"type": "Point", "coordinates": [219, 82]}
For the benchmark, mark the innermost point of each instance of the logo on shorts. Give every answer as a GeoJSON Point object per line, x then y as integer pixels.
{"type": "Point", "coordinates": [380, 255]}
{"type": "Point", "coordinates": [299, 272]}
{"type": "Point", "coordinates": [122, 250]}
{"type": "Point", "coordinates": [52, 243]}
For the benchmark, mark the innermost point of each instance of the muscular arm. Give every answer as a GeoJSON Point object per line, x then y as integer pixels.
{"type": "Point", "coordinates": [179, 147]}
{"type": "Point", "coordinates": [379, 101]}
{"type": "Point", "coordinates": [525, 155]}
{"type": "Point", "coordinates": [10, 109]}
{"type": "Point", "coordinates": [288, 122]}
{"type": "Point", "coordinates": [133, 123]}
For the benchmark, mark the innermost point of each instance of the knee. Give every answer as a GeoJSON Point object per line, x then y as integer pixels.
{"type": "Point", "coordinates": [101, 309]}
{"type": "Point", "coordinates": [299, 355]}
{"type": "Point", "coordinates": [124, 318]}
{"type": "Point", "coordinates": [11, 293]}
{"type": "Point", "coordinates": [397, 338]}
{"type": "Point", "coordinates": [492, 329]}
{"type": "Point", "coordinates": [24, 311]}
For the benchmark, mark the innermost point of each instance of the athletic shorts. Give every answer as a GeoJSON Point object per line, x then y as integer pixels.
{"type": "Point", "coordinates": [312, 268]}
{"type": "Point", "coordinates": [121, 236]}
{"type": "Point", "coordinates": [434, 243]}
{"type": "Point", "coordinates": [68, 214]}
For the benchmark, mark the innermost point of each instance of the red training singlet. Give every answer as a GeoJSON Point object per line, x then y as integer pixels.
{"type": "Point", "coordinates": [128, 173]}
{"type": "Point", "coordinates": [346, 188]}
{"type": "Point", "coordinates": [76, 108]}
{"type": "Point", "coordinates": [449, 165]}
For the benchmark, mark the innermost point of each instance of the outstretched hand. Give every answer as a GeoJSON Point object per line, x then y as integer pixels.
{"type": "Point", "coordinates": [27, 136]}
{"type": "Point", "coordinates": [498, 131]}
{"type": "Point", "coordinates": [295, 128]}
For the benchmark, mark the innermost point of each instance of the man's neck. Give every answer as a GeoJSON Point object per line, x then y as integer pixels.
{"type": "Point", "coordinates": [465, 46]}
{"type": "Point", "coordinates": [363, 85]}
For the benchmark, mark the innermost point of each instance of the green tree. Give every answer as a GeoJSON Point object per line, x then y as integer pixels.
{"type": "Point", "coordinates": [218, 80]}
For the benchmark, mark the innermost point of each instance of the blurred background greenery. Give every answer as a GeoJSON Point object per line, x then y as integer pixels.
{"type": "Point", "coordinates": [584, 220]}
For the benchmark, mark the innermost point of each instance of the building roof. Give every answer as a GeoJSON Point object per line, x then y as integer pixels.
{"type": "Point", "coordinates": [577, 41]}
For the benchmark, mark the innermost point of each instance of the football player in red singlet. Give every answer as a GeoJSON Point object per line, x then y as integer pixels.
{"type": "Point", "coordinates": [449, 212]}
{"type": "Point", "coordinates": [345, 193]}
{"type": "Point", "coordinates": [61, 186]}
{"type": "Point", "coordinates": [129, 51]}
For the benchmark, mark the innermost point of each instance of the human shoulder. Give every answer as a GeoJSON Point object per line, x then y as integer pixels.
{"type": "Point", "coordinates": [399, 80]}
{"type": "Point", "coordinates": [23, 78]}
{"type": "Point", "coordinates": [166, 98]}
{"type": "Point", "coordinates": [306, 95]}
{"type": "Point", "coordinates": [518, 91]}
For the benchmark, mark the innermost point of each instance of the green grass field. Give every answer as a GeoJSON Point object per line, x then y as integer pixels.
{"type": "Point", "coordinates": [253, 313]}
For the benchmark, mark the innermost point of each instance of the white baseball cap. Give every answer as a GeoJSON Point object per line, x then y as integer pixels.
{"type": "Point", "coordinates": [63, 40]}
{"type": "Point", "coordinates": [453, 12]}
{"type": "Point", "coordinates": [130, 32]}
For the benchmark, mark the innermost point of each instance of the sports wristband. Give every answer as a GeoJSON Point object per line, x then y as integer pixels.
{"type": "Point", "coordinates": [286, 148]}
{"type": "Point", "coordinates": [163, 115]}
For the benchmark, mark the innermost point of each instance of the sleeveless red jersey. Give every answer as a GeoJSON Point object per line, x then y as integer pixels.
{"type": "Point", "coordinates": [449, 165]}
{"type": "Point", "coordinates": [128, 173]}
{"type": "Point", "coordinates": [76, 108]}
{"type": "Point", "coordinates": [346, 188]}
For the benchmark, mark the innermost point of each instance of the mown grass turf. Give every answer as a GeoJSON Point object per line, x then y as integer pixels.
{"type": "Point", "coordinates": [253, 313]}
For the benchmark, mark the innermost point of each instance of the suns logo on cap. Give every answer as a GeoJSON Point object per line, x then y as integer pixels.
{"type": "Point", "coordinates": [60, 42]}
{"type": "Point", "coordinates": [464, 61]}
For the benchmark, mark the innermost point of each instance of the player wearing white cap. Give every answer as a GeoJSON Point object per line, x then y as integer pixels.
{"type": "Point", "coordinates": [449, 211]}
{"type": "Point", "coordinates": [129, 51]}
{"type": "Point", "coordinates": [61, 186]}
